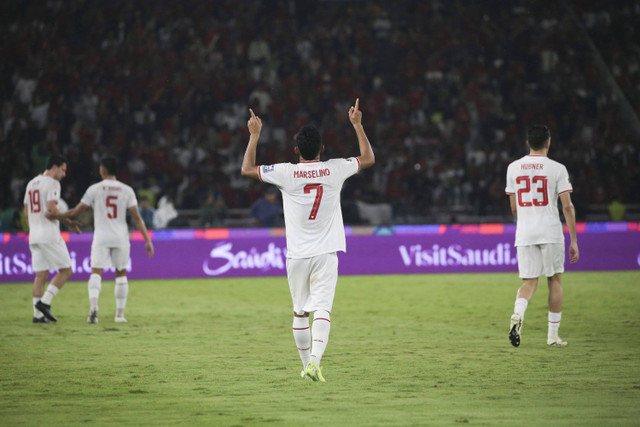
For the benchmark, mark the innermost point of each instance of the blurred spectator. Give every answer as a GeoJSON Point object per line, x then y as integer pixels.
{"type": "Point", "coordinates": [165, 213]}
{"type": "Point", "coordinates": [212, 213]}
{"type": "Point", "coordinates": [450, 90]}
{"type": "Point", "coordinates": [146, 211]}
{"type": "Point", "coordinates": [10, 219]}
{"type": "Point", "coordinates": [616, 210]}
{"type": "Point", "coordinates": [267, 210]}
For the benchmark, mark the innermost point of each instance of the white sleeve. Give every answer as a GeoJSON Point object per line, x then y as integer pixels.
{"type": "Point", "coordinates": [346, 167]}
{"type": "Point", "coordinates": [54, 192]}
{"type": "Point", "coordinates": [132, 198]}
{"type": "Point", "coordinates": [352, 166]}
{"type": "Point", "coordinates": [563, 181]}
{"type": "Point", "coordinates": [88, 196]}
{"type": "Point", "coordinates": [274, 174]}
{"type": "Point", "coordinates": [510, 188]}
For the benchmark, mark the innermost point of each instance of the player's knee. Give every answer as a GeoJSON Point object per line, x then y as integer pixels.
{"type": "Point", "coordinates": [42, 275]}
{"type": "Point", "coordinates": [530, 284]}
{"type": "Point", "coordinates": [555, 280]}
{"type": "Point", "coordinates": [322, 314]}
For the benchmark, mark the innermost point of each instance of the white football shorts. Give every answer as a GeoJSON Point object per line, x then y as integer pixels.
{"type": "Point", "coordinates": [536, 260]}
{"type": "Point", "coordinates": [312, 282]}
{"type": "Point", "coordinates": [49, 256]}
{"type": "Point", "coordinates": [106, 257]}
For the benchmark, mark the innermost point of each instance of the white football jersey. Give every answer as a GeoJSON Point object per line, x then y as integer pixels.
{"type": "Point", "coordinates": [110, 200]}
{"type": "Point", "coordinates": [537, 181]}
{"type": "Point", "coordinates": [41, 190]}
{"type": "Point", "coordinates": [311, 203]}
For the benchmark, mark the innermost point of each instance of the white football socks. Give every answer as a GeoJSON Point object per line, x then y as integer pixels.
{"type": "Point", "coordinates": [94, 286]}
{"type": "Point", "coordinates": [554, 325]}
{"type": "Point", "coordinates": [520, 307]}
{"type": "Point", "coordinates": [302, 337]}
{"type": "Point", "coordinates": [49, 294]}
{"type": "Point", "coordinates": [320, 334]}
{"type": "Point", "coordinates": [121, 291]}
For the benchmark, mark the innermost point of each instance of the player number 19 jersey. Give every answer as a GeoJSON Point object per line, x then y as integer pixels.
{"type": "Point", "coordinates": [311, 203]}
{"type": "Point", "coordinates": [40, 191]}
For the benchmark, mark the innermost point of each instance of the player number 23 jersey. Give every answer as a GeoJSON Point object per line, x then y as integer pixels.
{"type": "Point", "coordinates": [536, 182]}
{"type": "Point", "coordinates": [311, 203]}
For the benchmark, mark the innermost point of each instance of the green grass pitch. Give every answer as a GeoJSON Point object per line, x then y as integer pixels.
{"type": "Point", "coordinates": [403, 351]}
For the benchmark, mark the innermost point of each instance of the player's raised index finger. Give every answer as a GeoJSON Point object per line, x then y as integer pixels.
{"type": "Point", "coordinates": [252, 113]}
{"type": "Point", "coordinates": [357, 103]}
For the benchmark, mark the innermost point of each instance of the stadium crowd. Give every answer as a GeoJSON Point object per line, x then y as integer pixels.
{"type": "Point", "coordinates": [447, 89]}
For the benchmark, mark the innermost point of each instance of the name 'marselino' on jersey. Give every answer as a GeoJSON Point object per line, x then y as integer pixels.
{"type": "Point", "coordinates": [311, 203]}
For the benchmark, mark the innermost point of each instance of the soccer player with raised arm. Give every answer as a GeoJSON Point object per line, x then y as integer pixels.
{"type": "Point", "coordinates": [48, 250]}
{"type": "Point", "coordinates": [534, 184]}
{"type": "Point", "coordinates": [110, 200]}
{"type": "Point", "coordinates": [314, 228]}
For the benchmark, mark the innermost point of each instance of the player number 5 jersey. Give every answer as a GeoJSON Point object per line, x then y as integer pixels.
{"type": "Point", "coordinates": [110, 200]}
{"type": "Point", "coordinates": [536, 182]}
{"type": "Point", "coordinates": [311, 203]}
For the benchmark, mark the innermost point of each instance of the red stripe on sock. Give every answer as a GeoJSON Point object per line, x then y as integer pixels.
{"type": "Point", "coordinates": [554, 322]}
{"type": "Point", "coordinates": [300, 329]}
{"type": "Point", "coordinates": [322, 318]}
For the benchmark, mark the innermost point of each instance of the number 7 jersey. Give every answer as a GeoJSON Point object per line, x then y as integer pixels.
{"type": "Point", "coordinates": [110, 199]}
{"type": "Point", "coordinates": [537, 181]}
{"type": "Point", "coordinates": [311, 203]}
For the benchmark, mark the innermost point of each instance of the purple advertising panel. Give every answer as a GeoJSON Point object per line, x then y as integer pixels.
{"type": "Point", "coordinates": [370, 250]}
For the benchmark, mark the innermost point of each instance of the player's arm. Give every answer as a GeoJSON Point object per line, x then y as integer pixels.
{"type": "Point", "coordinates": [71, 213]}
{"type": "Point", "coordinates": [514, 205]}
{"type": "Point", "coordinates": [53, 213]}
{"type": "Point", "coordinates": [366, 157]}
{"type": "Point", "coordinates": [570, 216]}
{"type": "Point", "coordinates": [137, 220]}
{"type": "Point", "coordinates": [249, 168]}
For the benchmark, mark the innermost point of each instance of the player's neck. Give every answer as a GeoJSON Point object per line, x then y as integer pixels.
{"type": "Point", "coordinates": [303, 160]}
{"type": "Point", "coordinates": [542, 152]}
{"type": "Point", "coordinates": [111, 177]}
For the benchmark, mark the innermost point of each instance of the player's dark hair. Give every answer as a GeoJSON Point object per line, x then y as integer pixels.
{"type": "Point", "coordinates": [56, 160]}
{"type": "Point", "coordinates": [110, 164]}
{"type": "Point", "coordinates": [537, 136]}
{"type": "Point", "coordinates": [309, 141]}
